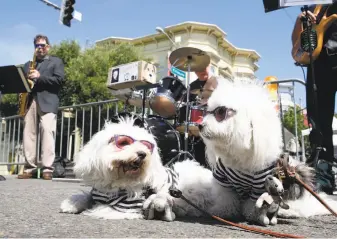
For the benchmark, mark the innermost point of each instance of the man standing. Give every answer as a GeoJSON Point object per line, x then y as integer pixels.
{"type": "Point", "coordinates": [48, 76]}
{"type": "Point", "coordinates": [325, 73]}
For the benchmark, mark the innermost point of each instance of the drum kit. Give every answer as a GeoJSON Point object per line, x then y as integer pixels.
{"type": "Point", "coordinates": [179, 108]}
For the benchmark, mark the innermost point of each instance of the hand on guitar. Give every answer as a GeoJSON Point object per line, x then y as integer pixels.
{"type": "Point", "coordinates": [33, 74]}
{"type": "Point", "coordinates": [312, 16]}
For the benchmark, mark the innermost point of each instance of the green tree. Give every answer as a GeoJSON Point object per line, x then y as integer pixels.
{"type": "Point", "coordinates": [289, 121]}
{"type": "Point", "coordinates": [86, 72]}
{"type": "Point", "coordinates": [9, 105]}
{"type": "Point", "coordinates": [66, 50]}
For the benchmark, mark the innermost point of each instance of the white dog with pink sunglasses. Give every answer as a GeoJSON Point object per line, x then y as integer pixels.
{"type": "Point", "coordinates": [120, 169]}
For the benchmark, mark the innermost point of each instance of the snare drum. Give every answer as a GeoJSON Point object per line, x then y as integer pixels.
{"type": "Point", "coordinates": [168, 140]}
{"type": "Point", "coordinates": [165, 99]}
{"type": "Point", "coordinates": [195, 118]}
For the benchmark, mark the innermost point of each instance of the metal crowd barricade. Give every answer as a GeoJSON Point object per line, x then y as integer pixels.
{"type": "Point", "coordinates": [76, 125]}
{"type": "Point", "coordinates": [292, 93]}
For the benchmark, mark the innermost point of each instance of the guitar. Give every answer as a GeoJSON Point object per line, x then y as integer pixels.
{"type": "Point", "coordinates": [301, 55]}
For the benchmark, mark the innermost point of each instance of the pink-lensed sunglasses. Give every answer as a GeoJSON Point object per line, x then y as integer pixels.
{"type": "Point", "coordinates": [123, 140]}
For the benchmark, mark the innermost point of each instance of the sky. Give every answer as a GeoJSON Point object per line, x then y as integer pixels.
{"type": "Point", "coordinates": [244, 21]}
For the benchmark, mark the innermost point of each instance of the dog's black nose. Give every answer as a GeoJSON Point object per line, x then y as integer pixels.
{"type": "Point", "coordinates": [141, 154]}
{"type": "Point", "coordinates": [200, 126]}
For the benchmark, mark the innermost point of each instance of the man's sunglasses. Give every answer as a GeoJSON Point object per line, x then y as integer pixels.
{"type": "Point", "coordinates": [40, 45]}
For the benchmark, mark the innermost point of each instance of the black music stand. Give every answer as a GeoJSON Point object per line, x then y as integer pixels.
{"type": "Point", "coordinates": [12, 81]}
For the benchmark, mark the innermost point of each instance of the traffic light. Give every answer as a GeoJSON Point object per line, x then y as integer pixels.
{"type": "Point", "coordinates": [67, 9]}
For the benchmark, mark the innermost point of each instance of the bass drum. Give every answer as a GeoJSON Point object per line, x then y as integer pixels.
{"type": "Point", "coordinates": [168, 139]}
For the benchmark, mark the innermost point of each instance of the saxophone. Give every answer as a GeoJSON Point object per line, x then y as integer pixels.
{"type": "Point", "coordinates": [24, 97]}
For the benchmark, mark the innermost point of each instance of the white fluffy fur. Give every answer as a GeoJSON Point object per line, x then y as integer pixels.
{"type": "Point", "coordinates": [199, 186]}
{"type": "Point", "coordinates": [95, 163]}
{"type": "Point", "coordinates": [251, 139]}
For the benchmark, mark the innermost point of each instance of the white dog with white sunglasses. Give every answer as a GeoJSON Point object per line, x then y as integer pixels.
{"type": "Point", "coordinates": [121, 162]}
{"type": "Point", "coordinates": [243, 138]}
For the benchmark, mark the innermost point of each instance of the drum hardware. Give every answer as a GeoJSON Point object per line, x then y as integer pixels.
{"type": "Point", "coordinates": [192, 145]}
{"type": "Point", "coordinates": [126, 104]}
{"type": "Point", "coordinates": [164, 101]}
{"type": "Point", "coordinates": [190, 152]}
{"type": "Point", "coordinates": [190, 59]}
{"type": "Point", "coordinates": [143, 106]}
{"type": "Point", "coordinates": [145, 88]}
{"type": "Point", "coordinates": [176, 133]}
{"type": "Point", "coordinates": [175, 158]}
{"type": "Point", "coordinates": [196, 114]}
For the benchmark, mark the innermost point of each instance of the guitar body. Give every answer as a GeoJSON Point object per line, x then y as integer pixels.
{"type": "Point", "coordinates": [301, 56]}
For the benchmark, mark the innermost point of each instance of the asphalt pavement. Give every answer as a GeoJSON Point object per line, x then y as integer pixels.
{"type": "Point", "coordinates": [30, 208]}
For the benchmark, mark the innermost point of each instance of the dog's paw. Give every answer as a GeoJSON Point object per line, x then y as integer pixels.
{"type": "Point", "coordinates": [159, 203]}
{"type": "Point", "coordinates": [273, 221]}
{"type": "Point", "coordinates": [169, 216]}
{"type": "Point", "coordinates": [67, 206]}
{"type": "Point", "coordinates": [263, 220]}
{"type": "Point", "coordinates": [76, 203]}
{"type": "Point", "coordinates": [253, 214]}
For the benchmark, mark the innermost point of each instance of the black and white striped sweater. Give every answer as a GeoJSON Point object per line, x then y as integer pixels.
{"type": "Point", "coordinates": [247, 185]}
{"type": "Point", "coordinates": [123, 201]}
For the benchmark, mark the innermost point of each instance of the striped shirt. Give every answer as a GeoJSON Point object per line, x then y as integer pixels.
{"type": "Point", "coordinates": [247, 185]}
{"type": "Point", "coordinates": [172, 178]}
{"type": "Point", "coordinates": [124, 201]}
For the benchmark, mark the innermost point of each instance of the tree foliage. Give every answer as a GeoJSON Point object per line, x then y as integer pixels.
{"type": "Point", "coordinates": [86, 72]}
{"type": "Point", "coordinates": [289, 120]}
{"type": "Point", "coordinates": [9, 105]}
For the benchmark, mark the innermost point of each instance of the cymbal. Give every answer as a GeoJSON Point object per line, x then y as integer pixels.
{"type": "Point", "coordinates": [199, 60]}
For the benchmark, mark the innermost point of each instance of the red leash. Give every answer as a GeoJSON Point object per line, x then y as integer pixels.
{"type": "Point", "coordinates": [178, 194]}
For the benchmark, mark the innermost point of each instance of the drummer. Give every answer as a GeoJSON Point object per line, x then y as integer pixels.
{"type": "Point", "coordinates": [204, 85]}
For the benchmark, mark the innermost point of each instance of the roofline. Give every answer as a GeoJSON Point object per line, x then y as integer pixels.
{"type": "Point", "coordinates": [189, 24]}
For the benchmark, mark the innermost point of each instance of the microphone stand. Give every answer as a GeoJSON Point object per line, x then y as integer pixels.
{"type": "Point", "coordinates": [316, 137]}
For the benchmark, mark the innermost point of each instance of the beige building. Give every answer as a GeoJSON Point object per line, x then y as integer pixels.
{"type": "Point", "coordinates": [226, 59]}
